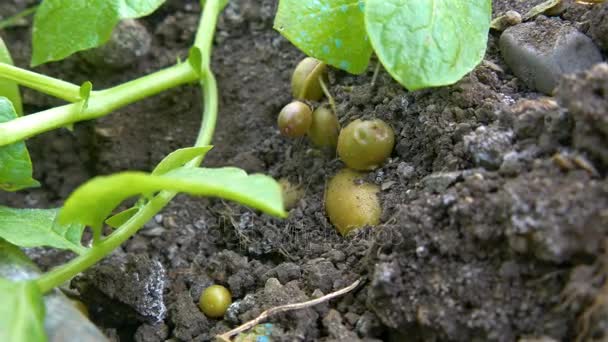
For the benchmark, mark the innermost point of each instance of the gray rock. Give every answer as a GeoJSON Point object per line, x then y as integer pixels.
{"type": "Point", "coordinates": [540, 52]}
{"type": "Point", "coordinates": [130, 41]}
{"type": "Point", "coordinates": [488, 145]}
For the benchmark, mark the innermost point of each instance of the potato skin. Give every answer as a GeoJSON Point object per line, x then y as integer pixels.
{"type": "Point", "coordinates": [214, 301]}
{"type": "Point", "coordinates": [295, 119]}
{"type": "Point", "coordinates": [365, 145]}
{"type": "Point", "coordinates": [351, 204]}
{"type": "Point", "coordinates": [305, 79]}
{"type": "Point", "coordinates": [324, 129]}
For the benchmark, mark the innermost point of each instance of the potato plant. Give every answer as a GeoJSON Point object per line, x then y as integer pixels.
{"type": "Point", "coordinates": [90, 24]}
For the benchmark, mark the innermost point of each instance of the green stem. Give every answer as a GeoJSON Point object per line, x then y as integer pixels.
{"type": "Point", "coordinates": [100, 103]}
{"type": "Point", "coordinates": [63, 273]}
{"type": "Point", "coordinates": [45, 84]}
{"type": "Point", "coordinates": [11, 21]}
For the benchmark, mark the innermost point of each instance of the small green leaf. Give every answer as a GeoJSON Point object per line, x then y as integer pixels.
{"type": "Point", "coordinates": [15, 164]}
{"type": "Point", "coordinates": [179, 158]}
{"type": "Point", "coordinates": [428, 43]}
{"type": "Point", "coordinates": [122, 217]}
{"type": "Point", "coordinates": [330, 30]}
{"type": "Point", "coordinates": [21, 312]}
{"type": "Point", "coordinates": [37, 227]}
{"type": "Point", "coordinates": [196, 60]}
{"type": "Point", "coordinates": [63, 27]}
{"type": "Point", "coordinates": [85, 94]}
{"type": "Point", "coordinates": [92, 202]}
{"type": "Point", "coordinates": [8, 88]}
{"type": "Point", "coordinates": [85, 90]}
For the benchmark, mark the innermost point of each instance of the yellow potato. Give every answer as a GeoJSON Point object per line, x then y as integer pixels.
{"type": "Point", "coordinates": [351, 204]}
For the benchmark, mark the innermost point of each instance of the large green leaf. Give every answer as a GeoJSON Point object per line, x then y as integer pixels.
{"type": "Point", "coordinates": [92, 202]}
{"type": "Point", "coordinates": [172, 161]}
{"type": "Point", "coordinates": [37, 227]}
{"type": "Point", "coordinates": [179, 158]}
{"type": "Point", "coordinates": [8, 88]}
{"type": "Point", "coordinates": [330, 30]}
{"type": "Point", "coordinates": [428, 43]}
{"type": "Point", "coordinates": [21, 312]}
{"type": "Point", "coordinates": [62, 27]}
{"type": "Point", "coordinates": [15, 164]}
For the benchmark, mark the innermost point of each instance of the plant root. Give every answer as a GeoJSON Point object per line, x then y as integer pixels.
{"type": "Point", "coordinates": [226, 337]}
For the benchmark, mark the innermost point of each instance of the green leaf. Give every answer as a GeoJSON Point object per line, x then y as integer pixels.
{"type": "Point", "coordinates": [37, 227]}
{"type": "Point", "coordinates": [8, 88]}
{"type": "Point", "coordinates": [21, 312]}
{"type": "Point", "coordinates": [172, 161]}
{"type": "Point", "coordinates": [63, 27]}
{"type": "Point", "coordinates": [428, 43]}
{"type": "Point", "coordinates": [179, 158]}
{"type": "Point", "coordinates": [330, 30]}
{"type": "Point", "coordinates": [119, 219]}
{"type": "Point", "coordinates": [92, 202]}
{"type": "Point", "coordinates": [85, 94]}
{"type": "Point", "coordinates": [195, 58]}
{"type": "Point", "coordinates": [15, 164]}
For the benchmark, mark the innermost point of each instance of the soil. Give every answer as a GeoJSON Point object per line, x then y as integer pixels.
{"type": "Point", "coordinates": [494, 200]}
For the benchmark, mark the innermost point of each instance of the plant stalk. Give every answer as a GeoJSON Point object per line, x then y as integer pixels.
{"type": "Point", "coordinates": [42, 83]}
{"type": "Point", "coordinates": [100, 103]}
{"type": "Point", "coordinates": [66, 272]}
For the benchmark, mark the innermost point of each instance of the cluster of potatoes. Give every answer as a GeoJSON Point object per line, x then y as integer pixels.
{"type": "Point", "coordinates": [362, 145]}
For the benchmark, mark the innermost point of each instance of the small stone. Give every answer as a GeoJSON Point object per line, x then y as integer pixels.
{"type": "Point", "coordinates": [130, 41]}
{"type": "Point", "coordinates": [508, 19]}
{"type": "Point", "coordinates": [540, 52]}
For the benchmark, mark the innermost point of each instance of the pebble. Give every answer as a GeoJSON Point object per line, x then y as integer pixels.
{"type": "Point", "coordinates": [540, 52]}
{"type": "Point", "coordinates": [129, 42]}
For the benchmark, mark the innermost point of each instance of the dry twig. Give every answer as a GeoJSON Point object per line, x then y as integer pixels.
{"type": "Point", "coordinates": [283, 308]}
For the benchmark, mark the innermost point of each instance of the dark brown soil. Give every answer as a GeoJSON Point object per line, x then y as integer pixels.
{"type": "Point", "coordinates": [494, 200]}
